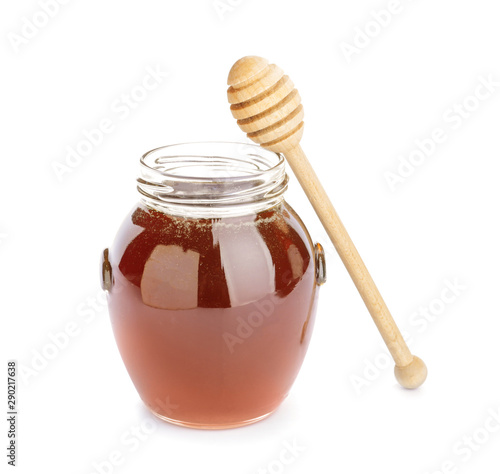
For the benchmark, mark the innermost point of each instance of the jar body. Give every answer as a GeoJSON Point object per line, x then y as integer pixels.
{"type": "Point", "coordinates": [212, 316]}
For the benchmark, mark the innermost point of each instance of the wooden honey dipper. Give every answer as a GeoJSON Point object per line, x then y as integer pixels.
{"type": "Point", "coordinates": [267, 107]}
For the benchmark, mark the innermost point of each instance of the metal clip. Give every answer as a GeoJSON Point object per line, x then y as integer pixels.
{"type": "Point", "coordinates": [106, 273]}
{"type": "Point", "coordinates": [320, 264]}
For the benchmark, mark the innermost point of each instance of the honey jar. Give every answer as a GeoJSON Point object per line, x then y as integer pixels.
{"type": "Point", "coordinates": [212, 284]}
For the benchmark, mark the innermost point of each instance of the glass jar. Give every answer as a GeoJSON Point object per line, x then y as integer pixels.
{"type": "Point", "coordinates": [212, 285]}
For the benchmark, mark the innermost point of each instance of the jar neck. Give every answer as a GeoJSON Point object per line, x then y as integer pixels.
{"type": "Point", "coordinates": [212, 179]}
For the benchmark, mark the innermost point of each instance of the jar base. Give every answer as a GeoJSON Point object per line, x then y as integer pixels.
{"type": "Point", "coordinates": [204, 426]}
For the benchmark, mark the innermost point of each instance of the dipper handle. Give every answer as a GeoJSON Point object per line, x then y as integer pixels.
{"type": "Point", "coordinates": [410, 371]}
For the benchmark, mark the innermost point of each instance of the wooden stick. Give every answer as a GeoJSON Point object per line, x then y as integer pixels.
{"type": "Point", "coordinates": [268, 109]}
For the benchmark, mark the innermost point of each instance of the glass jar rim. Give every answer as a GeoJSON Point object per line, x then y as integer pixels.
{"type": "Point", "coordinates": [254, 147]}
{"type": "Point", "coordinates": [211, 178]}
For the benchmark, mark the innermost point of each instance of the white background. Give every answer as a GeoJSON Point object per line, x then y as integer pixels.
{"type": "Point", "coordinates": [364, 111]}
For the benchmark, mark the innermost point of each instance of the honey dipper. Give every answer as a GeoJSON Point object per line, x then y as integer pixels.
{"type": "Point", "coordinates": [268, 109]}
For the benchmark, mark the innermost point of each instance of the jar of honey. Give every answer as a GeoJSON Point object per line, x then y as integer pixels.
{"type": "Point", "coordinates": [212, 284]}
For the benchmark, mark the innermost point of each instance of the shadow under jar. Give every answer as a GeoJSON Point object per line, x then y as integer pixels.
{"type": "Point", "coordinates": [212, 285]}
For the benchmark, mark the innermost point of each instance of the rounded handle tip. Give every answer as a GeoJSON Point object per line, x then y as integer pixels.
{"type": "Point", "coordinates": [412, 375]}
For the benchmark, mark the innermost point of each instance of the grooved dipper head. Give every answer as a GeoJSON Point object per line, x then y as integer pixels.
{"type": "Point", "coordinates": [265, 104]}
